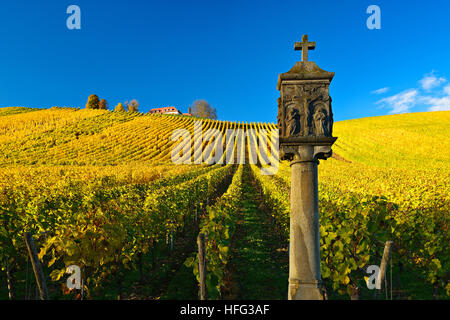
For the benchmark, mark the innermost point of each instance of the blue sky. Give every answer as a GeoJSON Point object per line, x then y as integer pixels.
{"type": "Point", "coordinates": [227, 52]}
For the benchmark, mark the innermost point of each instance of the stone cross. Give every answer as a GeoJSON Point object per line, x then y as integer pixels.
{"type": "Point", "coordinates": [304, 46]}
{"type": "Point", "coordinates": [305, 123]}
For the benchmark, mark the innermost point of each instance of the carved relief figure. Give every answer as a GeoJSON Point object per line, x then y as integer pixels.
{"type": "Point", "coordinates": [303, 121]}
{"type": "Point", "coordinates": [306, 123]}
{"type": "Point", "coordinates": [305, 110]}
{"type": "Point", "coordinates": [292, 122]}
{"type": "Point", "coordinates": [320, 123]}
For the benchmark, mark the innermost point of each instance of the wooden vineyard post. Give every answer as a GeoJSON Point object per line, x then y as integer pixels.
{"type": "Point", "coordinates": [37, 268]}
{"type": "Point", "coordinates": [10, 281]}
{"type": "Point", "coordinates": [383, 266]}
{"type": "Point", "coordinates": [202, 265]}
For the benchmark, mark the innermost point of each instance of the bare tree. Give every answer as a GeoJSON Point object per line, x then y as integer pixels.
{"type": "Point", "coordinates": [202, 109]}
{"type": "Point", "coordinates": [132, 106]}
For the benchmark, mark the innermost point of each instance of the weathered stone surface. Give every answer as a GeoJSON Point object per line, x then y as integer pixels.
{"type": "Point", "coordinates": [304, 107]}
{"type": "Point", "coordinates": [305, 71]}
{"type": "Point", "coordinates": [304, 46]}
{"type": "Point", "coordinates": [321, 147]}
{"type": "Point", "coordinates": [304, 254]}
{"type": "Point", "coordinates": [305, 123]}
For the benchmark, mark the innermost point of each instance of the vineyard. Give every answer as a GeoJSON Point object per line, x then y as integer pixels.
{"type": "Point", "coordinates": [98, 189]}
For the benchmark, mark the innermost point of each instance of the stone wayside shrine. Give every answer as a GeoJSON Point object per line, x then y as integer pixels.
{"type": "Point", "coordinates": [305, 123]}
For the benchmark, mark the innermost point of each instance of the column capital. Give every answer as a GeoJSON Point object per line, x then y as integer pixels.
{"type": "Point", "coordinates": [306, 149]}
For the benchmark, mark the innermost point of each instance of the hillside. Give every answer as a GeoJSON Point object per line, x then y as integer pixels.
{"type": "Point", "coordinates": [99, 189]}
{"type": "Point", "coordinates": [60, 136]}
{"type": "Point", "coordinates": [410, 140]}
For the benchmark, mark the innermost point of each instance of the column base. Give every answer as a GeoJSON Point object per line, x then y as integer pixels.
{"type": "Point", "coordinates": [304, 290]}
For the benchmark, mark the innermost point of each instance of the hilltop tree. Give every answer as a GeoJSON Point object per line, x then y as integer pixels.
{"type": "Point", "coordinates": [119, 107]}
{"type": "Point", "coordinates": [202, 109]}
{"type": "Point", "coordinates": [93, 102]}
{"type": "Point", "coordinates": [103, 104]}
{"type": "Point", "coordinates": [133, 105]}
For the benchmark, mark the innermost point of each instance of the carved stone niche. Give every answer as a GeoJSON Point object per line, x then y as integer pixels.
{"type": "Point", "coordinates": [305, 116]}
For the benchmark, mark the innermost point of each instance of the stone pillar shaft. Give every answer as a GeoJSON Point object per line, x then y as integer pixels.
{"type": "Point", "coordinates": [304, 251]}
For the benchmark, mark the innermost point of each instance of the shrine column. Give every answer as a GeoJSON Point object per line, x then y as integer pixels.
{"type": "Point", "coordinates": [305, 123]}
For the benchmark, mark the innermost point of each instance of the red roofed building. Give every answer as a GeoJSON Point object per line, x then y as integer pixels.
{"type": "Point", "coordinates": [168, 110]}
{"type": "Point", "coordinates": [165, 110]}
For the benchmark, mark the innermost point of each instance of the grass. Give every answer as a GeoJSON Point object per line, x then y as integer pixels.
{"type": "Point", "coordinates": [259, 262]}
